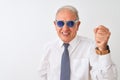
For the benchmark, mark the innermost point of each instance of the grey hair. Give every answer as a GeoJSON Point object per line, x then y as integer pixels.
{"type": "Point", "coordinates": [71, 8]}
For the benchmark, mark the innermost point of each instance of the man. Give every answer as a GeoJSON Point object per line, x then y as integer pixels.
{"type": "Point", "coordinates": [73, 57]}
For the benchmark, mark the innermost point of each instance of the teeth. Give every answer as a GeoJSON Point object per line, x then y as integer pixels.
{"type": "Point", "coordinates": [65, 33]}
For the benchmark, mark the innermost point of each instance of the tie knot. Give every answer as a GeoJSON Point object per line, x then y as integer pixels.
{"type": "Point", "coordinates": [66, 45]}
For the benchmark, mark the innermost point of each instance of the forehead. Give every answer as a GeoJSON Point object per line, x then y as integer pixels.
{"type": "Point", "coordinates": [66, 14]}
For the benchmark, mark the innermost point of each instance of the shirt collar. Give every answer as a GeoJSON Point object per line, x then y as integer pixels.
{"type": "Point", "coordinates": [72, 43]}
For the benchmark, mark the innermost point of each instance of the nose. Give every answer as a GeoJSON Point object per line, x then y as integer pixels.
{"type": "Point", "coordinates": [65, 27]}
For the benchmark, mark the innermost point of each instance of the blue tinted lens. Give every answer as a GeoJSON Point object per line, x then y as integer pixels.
{"type": "Point", "coordinates": [70, 23]}
{"type": "Point", "coordinates": [60, 23]}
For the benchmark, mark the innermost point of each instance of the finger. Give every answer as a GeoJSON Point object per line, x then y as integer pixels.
{"type": "Point", "coordinates": [101, 41]}
{"type": "Point", "coordinates": [101, 27]}
{"type": "Point", "coordinates": [102, 32]}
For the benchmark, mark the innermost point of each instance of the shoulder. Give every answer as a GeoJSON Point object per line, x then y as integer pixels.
{"type": "Point", "coordinates": [47, 47]}
{"type": "Point", "coordinates": [50, 44]}
{"type": "Point", "coordinates": [86, 40]}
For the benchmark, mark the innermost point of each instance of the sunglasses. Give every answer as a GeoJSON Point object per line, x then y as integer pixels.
{"type": "Point", "coordinates": [70, 23]}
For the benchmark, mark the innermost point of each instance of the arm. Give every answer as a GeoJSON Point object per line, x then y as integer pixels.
{"type": "Point", "coordinates": [102, 67]}
{"type": "Point", "coordinates": [43, 68]}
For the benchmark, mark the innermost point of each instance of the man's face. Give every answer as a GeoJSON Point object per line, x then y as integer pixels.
{"type": "Point", "coordinates": [66, 33]}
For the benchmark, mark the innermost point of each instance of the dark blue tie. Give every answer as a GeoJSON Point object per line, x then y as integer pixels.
{"type": "Point", "coordinates": [65, 64]}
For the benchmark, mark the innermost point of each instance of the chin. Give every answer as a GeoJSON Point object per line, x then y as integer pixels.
{"type": "Point", "coordinates": [65, 40]}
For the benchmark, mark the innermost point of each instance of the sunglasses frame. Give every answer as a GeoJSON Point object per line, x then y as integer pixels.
{"type": "Point", "coordinates": [65, 23]}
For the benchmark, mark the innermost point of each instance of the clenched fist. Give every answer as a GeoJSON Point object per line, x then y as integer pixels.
{"type": "Point", "coordinates": [102, 35]}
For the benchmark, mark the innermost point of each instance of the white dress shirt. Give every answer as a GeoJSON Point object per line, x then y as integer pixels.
{"type": "Point", "coordinates": [84, 62]}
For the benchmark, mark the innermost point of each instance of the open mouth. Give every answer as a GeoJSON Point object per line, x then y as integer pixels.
{"type": "Point", "coordinates": [65, 33]}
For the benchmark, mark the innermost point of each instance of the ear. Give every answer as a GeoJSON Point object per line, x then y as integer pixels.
{"type": "Point", "coordinates": [54, 23]}
{"type": "Point", "coordinates": [78, 24]}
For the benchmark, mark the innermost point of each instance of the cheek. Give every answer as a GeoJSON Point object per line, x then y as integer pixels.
{"type": "Point", "coordinates": [58, 30]}
{"type": "Point", "coordinates": [74, 31]}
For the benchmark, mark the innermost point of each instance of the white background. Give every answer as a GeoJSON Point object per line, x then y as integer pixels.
{"type": "Point", "coordinates": [26, 25]}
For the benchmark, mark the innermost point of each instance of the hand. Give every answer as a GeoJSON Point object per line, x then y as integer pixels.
{"type": "Point", "coordinates": [102, 35]}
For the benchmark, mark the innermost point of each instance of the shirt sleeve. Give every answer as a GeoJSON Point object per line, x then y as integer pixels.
{"type": "Point", "coordinates": [43, 67]}
{"type": "Point", "coordinates": [102, 67]}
